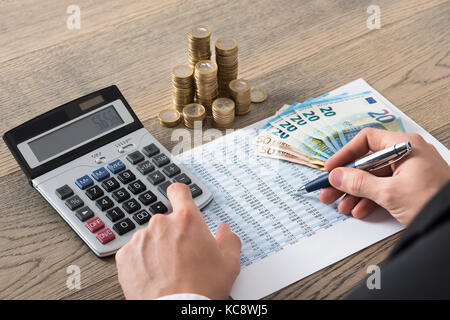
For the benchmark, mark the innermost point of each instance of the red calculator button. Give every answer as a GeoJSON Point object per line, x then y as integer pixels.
{"type": "Point", "coordinates": [105, 236]}
{"type": "Point", "coordinates": [95, 224]}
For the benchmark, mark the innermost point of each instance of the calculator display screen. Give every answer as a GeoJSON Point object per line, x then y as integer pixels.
{"type": "Point", "coordinates": [75, 133]}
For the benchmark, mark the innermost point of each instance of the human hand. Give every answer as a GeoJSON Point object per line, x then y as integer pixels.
{"type": "Point", "coordinates": [402, 188]}
{"type": "Point", "coordinates": [177, 253]}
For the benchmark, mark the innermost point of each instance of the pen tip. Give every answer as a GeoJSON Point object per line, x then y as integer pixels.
{"type": "Point", "coordinates": [301, 190]}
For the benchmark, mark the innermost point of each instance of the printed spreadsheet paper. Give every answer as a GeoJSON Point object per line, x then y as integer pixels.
{"type": "Point", "coordinates": [285, 237]}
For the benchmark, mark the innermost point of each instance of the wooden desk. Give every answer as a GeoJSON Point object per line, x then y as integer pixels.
{"type": "Point", "coordinates": [293, 49]}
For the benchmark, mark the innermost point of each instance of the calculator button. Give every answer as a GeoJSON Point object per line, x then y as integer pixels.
{"type": "Point", "coordinates": [171, 170]}
{"type": "Point", "coordinates": [110, 184]}
{"type": "Point", "coordinates": [115, 214]}
{"type": "Point", "coordinates": [135, 157]}
{"type": "Point", "coordinates": [145, 167]}
{"type": "Point", "coordinates": [84, 213]}
{"type": "Point", "coordinates": [160, 160]}
{"type": "Point", "coordinates": [163, 187]}
{"type": "Point", "coordinates": [156, 177]}
{"type": "Point", "coordinates": [158, 207]}
{"type": "Point", "coordinates": [142, 217]}
{"type": "Point", "coordinates": [183, 178]}
{"type": "Point", "coordinates": [105, 236]}
{"type": "Point", "coordinates": [84, 182]}
{"type": "Point", "coordinates": [120, 195]}
{"type": "Point", "coordinates": [150, 150]}
{"type": "Point", "coordinates": [104, 203]}
{"type": "Point", "coordinates": [95, 224]}
{"type": "Point", "coordinates": [131, 206]}
{"type": "Point", "coordinates": [126, 176]}
{"type": "Point", "coordinates": [147, 197]}
{"type": "Point", "coordinates": [94, 193]}
{"type": "Point", "coordinates": [137, 187]}
{"type": "Point", "coordinates": [64, 192]}
{"type": "Point", "coordinates": [100, 174]}
{"type": "Point", "coordinates": [124, 226]}
{"type": "Point", "coordinates": [116, 166]}
{"type": "Point", "coordinates": [195, 190]}
{"type": "Point", "coordinates": [74, 203]}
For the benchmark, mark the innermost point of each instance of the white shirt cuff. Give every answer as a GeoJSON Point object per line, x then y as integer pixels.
{"type": "Point", "coordinates": [183, 296]}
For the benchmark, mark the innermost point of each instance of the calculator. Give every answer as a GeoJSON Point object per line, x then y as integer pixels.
{"type": "Point", "coordinates": [102, 171]}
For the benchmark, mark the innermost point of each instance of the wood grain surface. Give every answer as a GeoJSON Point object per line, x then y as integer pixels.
{"type": "Point", "coordinates": [292, 49]}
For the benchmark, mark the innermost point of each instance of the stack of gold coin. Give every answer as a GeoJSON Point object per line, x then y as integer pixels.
{"type": "Point", "coordinates": [199, 44]}
{"type": "Point", "coordinates": [206, 83]}
{"type": "Point", "coordinates": [169, 118]}
{"type": "Point", "coordinates": [223, 113]}
{"type": "Point", "coordinates": [193, 112]}
{"type": "Point", "coordinates": [240, 92]}
{"type": "Point", "coordinates": [227, 63]}
{"type": "Point", "coordinates": [183, 86]}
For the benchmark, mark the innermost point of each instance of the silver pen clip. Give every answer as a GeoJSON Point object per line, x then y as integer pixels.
{"type": "Point", "coordinates": [391, 161]}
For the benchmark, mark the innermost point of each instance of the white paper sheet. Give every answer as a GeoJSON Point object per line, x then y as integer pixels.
{"type": "Point", "coordinates": [285, 237]}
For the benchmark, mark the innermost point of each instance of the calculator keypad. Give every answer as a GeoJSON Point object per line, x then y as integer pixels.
{"type": "Point", "coordinates": [118, 184]}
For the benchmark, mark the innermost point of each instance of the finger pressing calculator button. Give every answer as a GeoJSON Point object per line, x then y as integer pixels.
{"type": "Point", "coordinates": [195, 190]}
{"type": "Point", "coordinates": [100, 174]}
{"type": "Point", "coordinates": [131, 206]}
{"type": "Point", "coordinates": [161, 160]}
{"type": "Point", "coordinates": [137, 187]}
{"type": "Point", "coordinates": [84, 213]}
{"type": "Point", "coordinates": [145, 167]}
{"type": "Point", "coordinates": [116, 166]}
{"type": "Point", "coordinates": [74, 203]}
{"type": "Point", "coordinates": [126, 176]}
{"type": "Point", "coordinates": [171, 170]}
{"type": "Point", "coordinates": [158, 207]}
{"type": "Point", "coordinates": [121, 195]}
{"type": "Point", "coordinates": [124, 226]}
{"type": "Point", "coordinates": [110, 184]}
{"type": "Point", "coordinates": [84, 182]}
{"type": "Point", "coordinates": [142, 217]}
{"type": "Point", "coordinates": [105, 236]}
{"type": "Point", "coordinates": [150, 150]}
{"type": "Point", "coordinates": [64, 192]}
{"type": "Point", "coordinates": [163, 187]}
{"type": "Point", "coordinates": [147, 197]}
{"type": "Point", "coordinates": [95, 224]}
{"type": "Point", "coordinates": [135, 157]}
{"type": "Point", "coordinates": [94, 193]}
{"type": "Point", "coordinates": [115, 214]}
{"type": "Point", "coordinates": [156, 177]}
{"type": "Point", "coordinates": [104, 203]}
{"type": "Point", "coordinates": [183, 178]}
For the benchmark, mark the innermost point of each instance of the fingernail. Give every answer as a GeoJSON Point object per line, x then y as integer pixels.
{"type": "Point", "coordinates": [336, 177]}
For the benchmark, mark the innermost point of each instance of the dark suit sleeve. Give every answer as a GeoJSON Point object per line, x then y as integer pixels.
{"type": "Point", "coordinates": [419, 265]}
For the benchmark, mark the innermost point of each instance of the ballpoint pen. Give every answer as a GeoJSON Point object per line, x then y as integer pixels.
{"type": "Point", "coordinates": [374, 161]}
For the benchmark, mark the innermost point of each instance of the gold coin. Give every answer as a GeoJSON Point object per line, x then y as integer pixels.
{"type": "Point", "coordinates": [225, 45]}
{"type": "Point", "coordinates": [258, 95]}
{"type": "Point", "coordinates": [182, 71]}
{"type": "Point", "coordinates": [206, 66]}
{"type": "Point", "coordinates": [224, 104]}
{"type": "Point", "coordinates": [199, 32]}
{"type": "Point", "coordinates": [239, 85]}
{"type": "Point", "coordinates": [193, 110]}
{"type": "Point", "coordinates": [169, 117]}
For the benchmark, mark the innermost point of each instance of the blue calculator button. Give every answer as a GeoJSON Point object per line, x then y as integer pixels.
{"type": "Point", "coordinates": [84, 182]}
{"type": "Point", "coordinates": [116, 166]}
{"type": "Point", "coordinates": [100, 174]}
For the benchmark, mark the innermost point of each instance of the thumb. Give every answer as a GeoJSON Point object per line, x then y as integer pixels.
{"type": "Point", "coordinates": [356, 182]}
{"type": "Point", "coordinates": [229, 244]}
